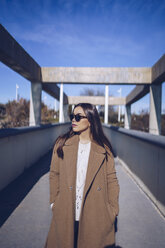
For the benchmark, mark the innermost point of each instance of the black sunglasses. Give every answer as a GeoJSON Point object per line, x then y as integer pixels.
{"type": "Point", "coordinates": [77, 117]}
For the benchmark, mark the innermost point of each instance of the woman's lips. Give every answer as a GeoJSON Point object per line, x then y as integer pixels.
{"type": "Point", "coordinates": [74, 125]}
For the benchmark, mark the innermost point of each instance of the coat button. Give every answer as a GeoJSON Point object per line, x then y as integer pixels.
{"type": "Point", "coordinates": [98, 188]}
{"type": "Point", "coordinates": [70, 187]}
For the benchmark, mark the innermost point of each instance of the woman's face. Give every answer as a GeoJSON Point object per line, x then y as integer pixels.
{"type": "Point", "coordinates": [83, 124]}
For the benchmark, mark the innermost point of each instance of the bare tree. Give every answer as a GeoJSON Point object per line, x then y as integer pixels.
{"type": "Point", "coordinates": [16, 114]}
{"type": "Point", "coordinates": [91, 92]}
{"type": "Point", "coordinates": [140, 121]}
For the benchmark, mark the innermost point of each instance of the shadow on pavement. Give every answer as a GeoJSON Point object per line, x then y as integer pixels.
{"type": "Point", "coordinates": [15, 192]}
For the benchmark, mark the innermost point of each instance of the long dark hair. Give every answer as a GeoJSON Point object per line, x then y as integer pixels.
{"type": "Point", "coordinates": [96, 129]}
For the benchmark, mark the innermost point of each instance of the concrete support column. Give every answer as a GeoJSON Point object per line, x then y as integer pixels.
{"type": "Point", "coordinates": [106, 104]}
{"type": "Point", "coordinates": [35, 104]}
{"type": "Point", "coordinates": [66, 117]}
{"type": "Point", "coordinates": [72, 107]}
{"type": "Point", "coordinates": [119, 109]}
{"type": "Point", "coordinates": [155, 109]}
{"type": "Point", "coordinates": [61, 110]}
{"type": "Point", "coordinates": [127, 119]}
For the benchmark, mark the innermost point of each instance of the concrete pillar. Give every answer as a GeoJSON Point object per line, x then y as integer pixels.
{"type": "Point", "coordinates": [66, 116]}
{"type": "Point", "coordinates": [127, 119]}
{"type": "Point", "coordinates": [119, 109]}
{"type": "Point", "coordinates": [106, 104]}
{"type": "Point", "coordinates": [72, 107]}
{"type": "Point", "coordinates": [155, 109]}
{"type": "Point", "coordinates": [35, 104]}
{"type": "Point", "coordinates": [61, 111]}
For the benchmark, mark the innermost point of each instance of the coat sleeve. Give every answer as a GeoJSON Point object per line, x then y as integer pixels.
{"type": "Point", "coordinates": [54, 175]}
{"type": "Point", "coordinates": [112, 185]}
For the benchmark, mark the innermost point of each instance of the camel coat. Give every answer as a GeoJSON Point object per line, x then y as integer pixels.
{"type": "Point", "coordinates": [100, 199]}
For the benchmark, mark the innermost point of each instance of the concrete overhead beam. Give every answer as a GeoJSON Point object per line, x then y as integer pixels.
{"type": "Point", "coordinates": [158, 71]}
{"type": "Point", "coordinates": [137, 93]}
{"type": "Point", "coordinates": [15, 57]}
{"type": "Point", "coordinates": [158, 76]}
{"type": "Point", "coordinates": [54, 91]}
{"type": "Point", "coordinates": [94, 75]}
{"type": "Point", "coordinates": [96, 100]}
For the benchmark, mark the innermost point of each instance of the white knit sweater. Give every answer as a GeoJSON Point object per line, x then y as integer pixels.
{"type": "Point", "coordinates": [82, 164]}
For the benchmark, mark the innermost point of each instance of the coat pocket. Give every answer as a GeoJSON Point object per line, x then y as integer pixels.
{"type": "Point", "coordinates": [110, 213]}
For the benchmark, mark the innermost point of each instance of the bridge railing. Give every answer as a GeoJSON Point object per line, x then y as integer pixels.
{"type": "Point", "coordinates": [143, 155]}
{"type": "Point", "coordinates": [22, 147]}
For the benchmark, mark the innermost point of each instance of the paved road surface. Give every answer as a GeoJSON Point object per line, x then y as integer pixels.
{"type": "Point", "coordinates": [25, 213]}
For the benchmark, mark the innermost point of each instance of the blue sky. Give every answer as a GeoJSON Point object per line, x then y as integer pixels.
{"type": "Point", "coordinates": [95, 33]}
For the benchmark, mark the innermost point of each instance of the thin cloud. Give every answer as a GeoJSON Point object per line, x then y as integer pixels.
{"type": "Point", "coordinates": [50, 36]}
{"type": "Point", "coordinates": [119, 34]}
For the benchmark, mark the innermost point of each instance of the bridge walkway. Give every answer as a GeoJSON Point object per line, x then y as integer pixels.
{"type": "Point", "coordinates": [25, 213]}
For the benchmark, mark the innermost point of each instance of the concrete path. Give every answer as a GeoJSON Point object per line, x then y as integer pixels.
{"type": "Point", "coordinates": [139, 223]}
{"type": "Point", "coordinates": [25, 213]}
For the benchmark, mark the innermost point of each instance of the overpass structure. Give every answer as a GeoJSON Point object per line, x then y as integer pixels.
{"type": "Point", "coordinates": [142, 155]}
{"type": "Point", "coordinates": [147, 80]}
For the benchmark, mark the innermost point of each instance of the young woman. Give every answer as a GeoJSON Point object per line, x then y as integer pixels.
{"type": "Point", "coordinates": [84, 188]}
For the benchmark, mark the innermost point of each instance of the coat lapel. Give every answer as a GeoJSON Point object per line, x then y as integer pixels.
{"type": "Point", "coordinates": [96, 157]}
{"type": "Point", "coordinates": [71, 150]}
